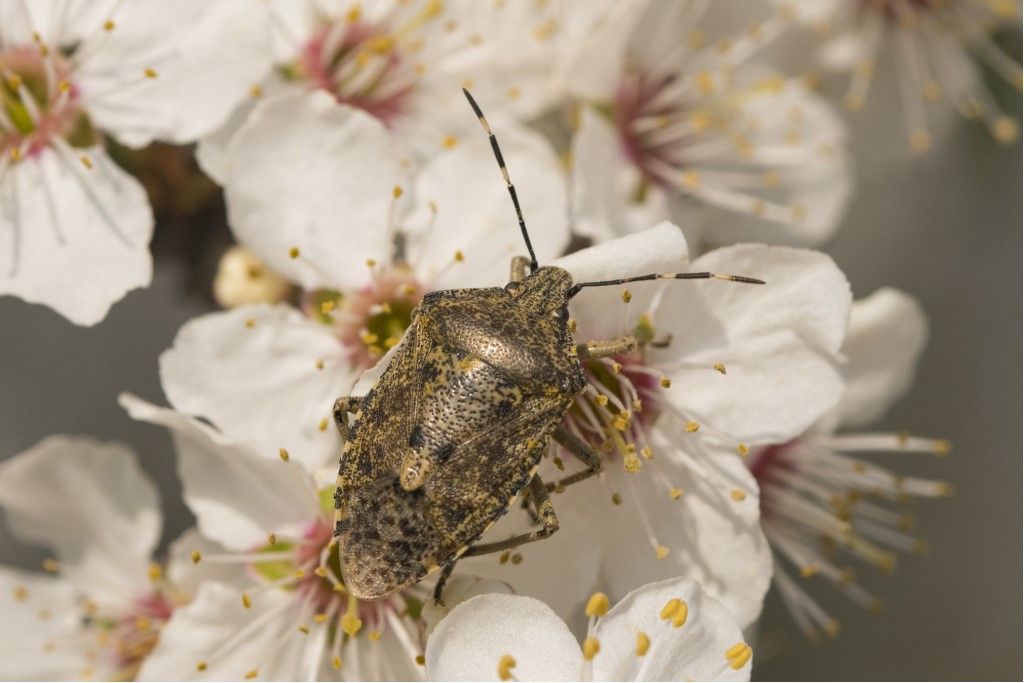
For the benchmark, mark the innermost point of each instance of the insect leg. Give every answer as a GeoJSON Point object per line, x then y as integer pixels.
{"type": "Point", "coordinates": [342, 407]}
{"type": "Point", "coordinates": [598, 348]}
{"type": "Point", "coordinates": [518, 270]}
{"type": "Point", "coordinates": [549, 521]}
{"type": "Point", "coordinates": [581, 450]}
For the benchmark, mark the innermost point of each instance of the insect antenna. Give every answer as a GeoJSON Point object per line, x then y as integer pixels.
{"type": "Point", "coordinates": [665, 276]}
{"type": "Point", "coordinates": [504, 173]}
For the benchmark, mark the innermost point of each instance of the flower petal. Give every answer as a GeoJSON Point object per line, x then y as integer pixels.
{"type": "Point", "coordinates": [75, 233]}
{"type": "Point", "coordinates": [39, 629]}
{"type": "Point", "coordinates": [459, 589]}
{"type": "Point", "coordinates": [306, 172]}
{"type": "Point", "coordinates": [267, 376]}
{"type": "Point", "coordinates": [604, 187]}
{"type": "Point", "coordinates": [90, 503]}
{"type": "Point", "coordinates": [205, 56]}
{"type": "Point", "coordinates": [888, 331]}
{"type": "Point", "coordinates": [475, 215]}
{"type": "Point", "coordinates": [661, 249]}
{"type": "Point", "coordinates": [230, 640]}
{"type": "Point", "coordinates": [468, 644]}
{"type": "Point", "coordinates": [237, 496]}
{"type": "Point", "coordinates": [709, 527]}
{"type": "Point", "coordinates": [695, 650]}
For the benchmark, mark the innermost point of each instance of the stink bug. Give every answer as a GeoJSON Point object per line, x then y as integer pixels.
{"type": "Point", "coordinates": [456, 426]}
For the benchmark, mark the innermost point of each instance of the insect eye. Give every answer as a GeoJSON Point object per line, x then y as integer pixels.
{"type": "Point", "coordinates": [512, 286]}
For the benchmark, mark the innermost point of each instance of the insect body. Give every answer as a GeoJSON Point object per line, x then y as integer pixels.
{"type": "Point", "coordinates": [454, 430]}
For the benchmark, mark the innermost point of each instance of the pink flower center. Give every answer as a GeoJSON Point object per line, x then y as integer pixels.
{"type": "Point", "coordinates": [373, 319]}
{"type": "Point", "coordinates": [38, 103]}
{"type": "Point", "coordinates": [361, 65]}
{"type": "Point", "coordinates": [765, 464]}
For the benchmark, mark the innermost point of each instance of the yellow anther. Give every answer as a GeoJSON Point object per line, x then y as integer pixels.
{"type": "Point", "coordinates": [20, 593]}
{"type": "Point", "coordinates": [517, 558]}
{"type": "Point", "coordinates": [201, 666]}
{"type": "Point", "coordinates": [591, 646]}
{"type": "Point", "coordinates": [396, 192]}
{"type": "Point", "coordinates": [920, 141]}
{"type": "Point", "coordinates": [503, 558]}
{"type": "Point", "coordinates": [421, 660]}
{"type": "Point", "coordinates": [719, 368]}
{"type": "Point", "coordinates": [601, 400]}
{"type": "Point", "coordinates": [691, 179]}
{"type": "Point", "coordinates": [321, 571]}
{"type": "Point", "coordinates": [1005, 130]}
{"type": "Point", "coordinates": [737, 495]}
{"type": "Point", "coordinates": [643, 642]}
{"type": "Point", "coordinates": [327, 306]}
{"type": "Point", "coordinates": [50, 565]}
{"type": "Point", "coordinates": [196, 556]}
{"type": "Point", "coordinates": [597, 605]}
{"type": "Point", "coordinates": [272, 538]}
{"type": "Point", "coordinates": [616, 499]}
{"type": "Point", "coordinates": [294, 252]}
{"type": "Point", "coordinates": [665, 382]}
{"type": "Point", "coordinates": [370, 262]}
{"type": "Point", "coordinates": [558, 463]}
{"type": "Point", "coordinates": [320, 618]}
{"type": "Point", "coordinates": [743, 449]}
{"type": "Point", "coordinates": [942, 447]}
{"type": "Point", "coordinates": [513, 93]}
{"type": "Point", "coordinates": [931, 91]}
{"type": "Point", "coordinates": [256, 91]}
{"type": "Point", "coordinates": [631, 463]}
{"type": "Point", "coordinates": [304, 630]}
{"type": "Point", "coordinates": [109, 25]}
{"type": "Point", "coordinates": [336, 662]}
{"type": "Point", "coordinates": [283, 454]}
{"type": "Point", "coordinates": [142, 623]}
{"type": "Point", "coordinates": [692, 426]}
{"type": "Point", "coordinates": [449, 141]}
{"type": "Point", "coordinates": [351, 624]}
{"type": "Point", "coordinates": [150, 73]}
{"type": "Point", "coordinates": [627, 296]}
{"type": "Point", "coordinates": [250, 323]}
{"type": "Point", "coordinates": [798, 211]}
{"type": "Point", "coordinates": [86, 161]}
{"type": "Point", "coordinates": [505, 666]}
{"type": "Point", "coordinates": [251, 674]}
{"type": "Point", "coordinates": [808, 570]}
{"type": "Point", "coordinates": [646, 453]}
{"type": "Point", "coordinates": [705, 82]}
{"type": "Point", "coordinates": [368, 338]}
{"type": "Point", "coordinates": [322, 425]}
{"type": "Point", "coordinates": [661, 552]}
{"type": "Point", "coordinates": [374, 636]}
{"type": "Point", "coordinates": [616, 368]}
{"type": "Point", "coordinates": [831, 629]}
{"type": "Point", "coordinates": [675, 494]}
{"type": "Point", "coordinates": [670, 608]}
{"type": "Point", "coordinates": [738, 655]}
{"type": "Point", "coordinates": [770, 178]}
{"type": "Point", "coordinates": [680, 615]}
{"type": "Point", "coordinates": [459, 256]}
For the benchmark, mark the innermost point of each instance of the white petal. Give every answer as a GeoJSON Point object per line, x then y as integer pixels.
{"type": "Point", "coordinates": [805, 154]}
{"type": "Point", "coordinates": [237, 496]}
{"type": "Point", "coordinates": [604, 185]}
{"type": "Point", "coordinates": [229, 639]}
{"type": "Point", "coordinates": [33, 647]}
{"type": "Point", "coordinates": [804, 292]}
{"type": "Point", "coordinates": [309, 173]}
{"type": "Point", "coordinates": [206, 56]}
{"type": "Point", "coordinates": [212, 149]}
{"type": "Point", "coordinates": [561, 571]}
{"type": "Point", "coordinates": [459, 589]}
{"type": "Point", "coordinates": [777, 385]}
{"type": "Point", "coordinates": [710, 537]}
{"type": "Point", "coordinates": [75, 239]}
{"type": "Point", "coordinates": [888, 331]}
{"type": "Point", "coordinates": [475, 214]}
{"type": "Point", "coordinates": [187, 575]}
{"type": "Point", "coordinates": [694, 651]}
{"type": "Point", "coordinates": [253, 372]}
{"type": "Point", "coordinates": [90, 503]}
{"type": "Point", "coordinates": [599, 311]}
{"type": "Point", "coordinates": [468, 644]}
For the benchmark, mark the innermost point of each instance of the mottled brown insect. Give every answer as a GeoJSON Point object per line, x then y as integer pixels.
{"type": "Point", "coordinates": [454, 430]}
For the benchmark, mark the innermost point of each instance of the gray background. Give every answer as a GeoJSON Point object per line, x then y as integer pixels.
{"type": "Point", "coordinates": [948, 231]}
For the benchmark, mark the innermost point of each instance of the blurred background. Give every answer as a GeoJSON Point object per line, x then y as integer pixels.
{"type": "Point", "coordinates": [947, 230]}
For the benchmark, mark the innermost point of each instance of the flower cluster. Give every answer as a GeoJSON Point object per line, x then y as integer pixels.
{"type": "Point", "coordinates": [723, 419]}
